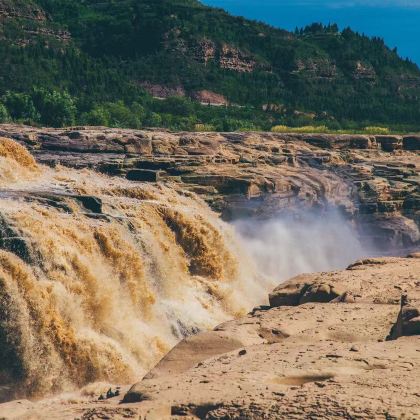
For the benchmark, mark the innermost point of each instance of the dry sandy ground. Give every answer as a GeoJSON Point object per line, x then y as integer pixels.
{"type": "Point", "coordinates": [326, 357]}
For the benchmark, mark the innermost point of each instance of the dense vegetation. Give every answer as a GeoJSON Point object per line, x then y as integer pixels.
{"type": "Point", "coordinates": [70, 62]}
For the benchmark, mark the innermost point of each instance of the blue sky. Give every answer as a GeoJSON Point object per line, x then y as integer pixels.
{"type": "Point", "coordinates": [397, 21]}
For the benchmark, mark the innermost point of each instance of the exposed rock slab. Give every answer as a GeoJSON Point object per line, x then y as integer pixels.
{"type": "Point", "coordinates": [370, 280]}
{"type": "Point", "coordinates": [327, 360]}
{"type": "Point", "coordinates": [316, 360]}
{"type": "Point", "coordinates": [373, 180]}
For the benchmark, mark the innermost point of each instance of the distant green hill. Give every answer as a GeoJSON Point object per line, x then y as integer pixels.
{"type": "Point", "coordinates": [106, 54]}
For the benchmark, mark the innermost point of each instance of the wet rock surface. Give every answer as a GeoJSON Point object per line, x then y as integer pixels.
{"type": "Point", "coordinates": [373, 180]}
{"type": "Point", "coordinates": [91, 272]}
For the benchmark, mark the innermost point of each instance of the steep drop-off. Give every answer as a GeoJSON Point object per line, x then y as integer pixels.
{"type": "Point", "coordinates": [331, 345]}
{"type": "Point", "coordinates": [373, 180]}
{"type": "Point", "coordinates": [100, 277]}
{"type": "Point", "coordinates": [109, 257]}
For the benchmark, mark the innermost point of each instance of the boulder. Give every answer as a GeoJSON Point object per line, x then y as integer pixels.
{"type": "Point", "coordinates": [135, 395]}
{"type": "Point", "coordinates": [139, 146]}
{"type": "Point", "coordinates": [12, 241]}
{"type": "Point", "coordinates": [75, 135]}
{"type": "Point", "coordinates": [321, 293]}
{"type": "Point", "coordinates": [91, 203]}
{"type": "Point", "coordinates": [59, 201]}
{"type": "Point", "coordinates": [408, 321]}
{"type": "Point", "coordinates": [303, 289]}
{"type": "Point", "coordinates": [143, 175]}
{"type": "Point", "coordinates": [287, 295]}
{"type": "Point", "coordinates": [389, 143]}
{"type": "Point", "coordinates": [411, 143]}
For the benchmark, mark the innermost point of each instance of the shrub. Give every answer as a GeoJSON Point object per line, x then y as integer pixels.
{"type": "Point", "coordinates": [153, 119]}
{"type": "Point", "coordinates": [377, 130]}
{"type": "Point", "coordinates": [175, 105]}
{"type": "Point", "coordinates": [304, 129]}
{"type": "Point", "coordinates": [233, 124]}
{"type": "Point", "coordinates": [280, 129]}
{"type": "Point", "coordinates": [312, 129]}
{"type": "Point", "coordinates": [204, 127]}
{"type": "Point", "coordinates": [96, 117]}
{"type": "Point", "coordinates": [120, 115]}
{"type": "Point", "coordinates": [334, 125]}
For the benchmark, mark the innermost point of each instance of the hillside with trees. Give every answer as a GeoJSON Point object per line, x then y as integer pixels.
{"type": "Point", "coordinates": [182, 65]}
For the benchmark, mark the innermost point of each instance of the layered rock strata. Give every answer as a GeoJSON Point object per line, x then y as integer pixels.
{"type": "Point", "coordinates": [373, 180]}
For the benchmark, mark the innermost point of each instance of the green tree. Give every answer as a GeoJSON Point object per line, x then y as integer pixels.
{"type": "Point", "coordinates": [153, 119]}
{"type": "Point", "coordinates": [4, 114]}
{"type": "Point", "coordinates": [176, 105]}
{"type": "Point", "coordinates": [96, 117]}
{"type": "Point", "coordinates": [120, 115]}
{"type": "Point", "coordinates": [21, 106]}
{"type": "Point", "coordinates": [57, 109]}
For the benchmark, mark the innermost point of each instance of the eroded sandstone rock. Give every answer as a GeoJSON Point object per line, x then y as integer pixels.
{"type": "Point", "coordinates": [321, 292]}
{"type": "Point", "coordinates": [328, 360]}
{"type": "Point", "coordinates": [389, 143]}
{"type": "Point", "coordinates": [367, 280]}
{"type": "Point", "coordinates": [408, 321]}
{"type": "Point", "coordinates": [258, 174]}
{"type": "Point", "coordinates": [12, 240]}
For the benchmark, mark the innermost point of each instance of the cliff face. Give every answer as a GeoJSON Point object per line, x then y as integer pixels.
{"type": "Point", "coordinates": [373, 180]}
{"type": "Point", "coordinates": [25, 22]}
{"type": "Point", "coordinates": [21, 9]}
{"type": "Point", "coordinates": [316, 69]}
{"type": "Point", "coordinates": [225, 56]}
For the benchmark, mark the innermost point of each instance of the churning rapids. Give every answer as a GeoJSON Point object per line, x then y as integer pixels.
{"type": "Point", "coordinates": [91, 296]}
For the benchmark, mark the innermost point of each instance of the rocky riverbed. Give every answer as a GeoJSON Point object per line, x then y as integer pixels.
{"type": "Point", "coordinates": [109, 257]}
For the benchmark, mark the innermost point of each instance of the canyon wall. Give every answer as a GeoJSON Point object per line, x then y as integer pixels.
{"type": "Point", "coordinates": [372, 179]}
{"type": "Point", "coordinates": [109, 255]}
